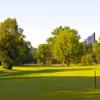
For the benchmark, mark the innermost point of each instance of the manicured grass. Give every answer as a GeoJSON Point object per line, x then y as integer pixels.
{"type": "Point", "coordinates": [49, 83]}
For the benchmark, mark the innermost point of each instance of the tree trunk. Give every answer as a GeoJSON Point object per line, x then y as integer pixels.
{"type": "Point", "coordinates": [68, 62]}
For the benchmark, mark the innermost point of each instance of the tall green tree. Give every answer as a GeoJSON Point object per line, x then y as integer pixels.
{"type": "Point", "coordinates": [65, 42]}
{"type": "Point", "coordinates": [11, 43]}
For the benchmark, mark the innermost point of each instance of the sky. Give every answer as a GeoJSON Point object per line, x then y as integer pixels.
{"type": "Point", "coordinates": [39, 18]}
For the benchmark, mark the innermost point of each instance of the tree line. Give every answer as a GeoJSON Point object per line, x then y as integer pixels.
{"type": "Point", "coordinates": [63, 47]}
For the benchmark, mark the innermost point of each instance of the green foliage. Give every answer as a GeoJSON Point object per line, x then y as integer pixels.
{"type": "Point", "coordinates": [35, 55]}
{"type": "Point", "coordinates": [87, 59]}
{"type": "Point", "coordinates": [27, 53]}
{"type": "Point", "coordinates": [90, 54]}
{"type": "Point", "coordinates": [62, 47]}
{"type": "Point", "coordinates": [65, 43]}
{"type": "Point", "coordinates": [96, 47]}
{"type": "Point", "coordinates": [12, 44]}
{"type": "Point", "coordinates": [79, 54]}
{"type": "Point", "coordinates": [44, 54]}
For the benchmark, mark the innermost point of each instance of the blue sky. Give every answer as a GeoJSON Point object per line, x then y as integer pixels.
{"type": "Point", "coordinates": [39, 17]}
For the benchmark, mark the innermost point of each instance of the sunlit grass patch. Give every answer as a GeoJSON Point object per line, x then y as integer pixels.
{"type": "Point", "coordinates": [42, 71]}
{"type": "Point", "coordinates": [50, 71]}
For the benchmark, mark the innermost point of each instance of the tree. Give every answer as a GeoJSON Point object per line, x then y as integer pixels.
{"type": "Point", "coordinates": [96, 49]}
{"type": "Point", "coordinates": [87, 59]}
{"type": "Point", "coordinates": [28, 53]}
{"type": "Point", "coordinates": [44, 54]}
{"type": "Point", "coordinates": [79, 54]}
{"type": "Point", "coordinates": [65, 42]}
{"type": "Point", "coordinates": [89, 56]}
{"type": "Point", "coordinates": [11, 43]}
{"type": "Point", "coordinates": [35, 55]}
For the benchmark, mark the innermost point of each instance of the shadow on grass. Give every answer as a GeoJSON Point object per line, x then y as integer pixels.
{"type": "Point", "coordinates": [45, 65]}
{"type": "Point", "coordinates": [32, 72]}
{"type": "Point", "coordinates": [54, 65]}
{"type": "Point", "coordinates": [65, 82]}
{"type": "Point", "coordinates": [35, 65]}
{"type": "Point", "coordinates": [49, 88]}
{"type": "Point", "coordinates": [18, 73]}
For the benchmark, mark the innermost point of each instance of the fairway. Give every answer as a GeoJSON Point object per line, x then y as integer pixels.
{"type": "Point", "coordinates": [35, 82]}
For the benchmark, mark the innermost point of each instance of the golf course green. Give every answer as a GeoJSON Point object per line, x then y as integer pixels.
{"type": "Point", "coordinates": [38, 82]}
